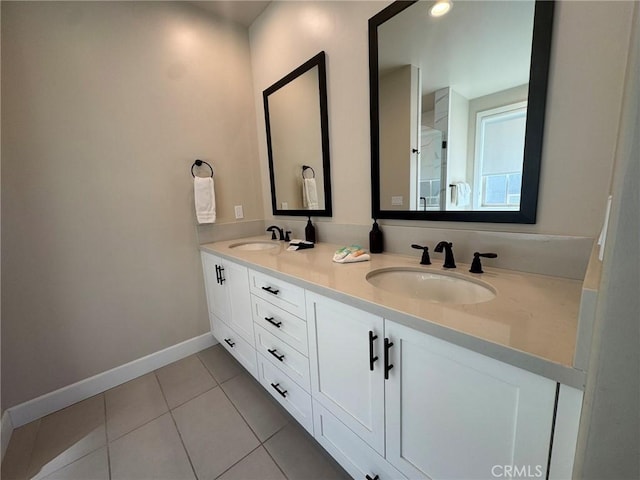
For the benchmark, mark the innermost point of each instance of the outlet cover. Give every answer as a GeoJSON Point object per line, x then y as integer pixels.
{"type": "Point", "coordinates": [239, 212]}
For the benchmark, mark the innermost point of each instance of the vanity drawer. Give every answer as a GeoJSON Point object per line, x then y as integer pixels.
{"type": "Point", "coordinates": [287, 393]}
{"type": "Point", "coordinates": [284, 357]}
{"type": "Point", "coordinates": [236, 346]}
{"type": "Point", "coordinates": [282, 294]}
{"type": "Point", "coordinates": [355, 456]}
{"type": "Point", "coordinates": [287, 327]}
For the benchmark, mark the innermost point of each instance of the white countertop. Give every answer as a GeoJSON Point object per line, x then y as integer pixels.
{"type": "Point", "coordinates": [531, 323]}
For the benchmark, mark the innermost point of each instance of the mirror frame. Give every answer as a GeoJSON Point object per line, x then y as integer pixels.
{"type": "Point", "coordinates": [320, 62]}
{"type": "Point", "coordinates": [537, 98]}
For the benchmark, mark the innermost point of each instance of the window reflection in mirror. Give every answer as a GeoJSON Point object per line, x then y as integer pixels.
{"type": "Point", "coordinates": [450, 109]}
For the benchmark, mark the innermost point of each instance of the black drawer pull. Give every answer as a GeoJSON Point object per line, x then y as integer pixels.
{"type": "Point", "coordinates": [372, 359]}
{"type": "Point", "coordinates": [270, 320]}
{"type": "Point", "coordinates": [222, 279]}
{"type": "Point", "coordinates": [387, 366]}
{"type": "Point", "coordinates": [229, 342]}
{"type": "Point", "coordinates": [270, 290]}
{"type": "Point", "coordinates": [218, 274]}
{"type": "Point", "coordinates": [369, 478]}
{"type": "Point", "coordinates": [281, 392]}
{"type": "Point", "coordinates": [273, 352]}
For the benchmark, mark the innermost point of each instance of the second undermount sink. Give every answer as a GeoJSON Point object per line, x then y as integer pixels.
{"type": "Point", "coordinates": [435, 287]}
{"type": "Point", "coordinates": [254, 246]}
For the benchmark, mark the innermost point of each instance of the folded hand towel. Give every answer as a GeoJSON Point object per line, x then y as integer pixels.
{"type": "Point", "coordinates": [205, 199]}
{"type": "Point", "coordinates": [351, 254]}
{"type": "Point", "coordinates": [310, 194]}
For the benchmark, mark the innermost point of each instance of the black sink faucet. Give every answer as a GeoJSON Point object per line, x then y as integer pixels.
{"type": "Point", "coordinates": [425, 260]}
{"type": "Point", "coordinates": [273, 230]}
{"type": "Point", "coordinates": [449, 262]}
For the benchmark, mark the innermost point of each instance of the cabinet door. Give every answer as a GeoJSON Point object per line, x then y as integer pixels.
{"type": "Point", "coordinates": [452, 413]}
{"type": "Point", "coordinates": [217, 299]}
{"type": "Point", "coordinates": [341, 377]}
{"type": "Point", "coordinates": [236, 278]}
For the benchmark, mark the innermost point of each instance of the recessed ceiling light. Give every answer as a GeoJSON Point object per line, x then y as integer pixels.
{"type": "Point", "coordinates": [440, 8]}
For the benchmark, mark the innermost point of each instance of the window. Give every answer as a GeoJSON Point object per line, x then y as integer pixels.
{"type": "Point", "coordinates": [499, 151]}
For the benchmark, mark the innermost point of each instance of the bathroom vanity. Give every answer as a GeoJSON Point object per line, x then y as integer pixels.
{"type": "Point", "coordinates": [395, 386]}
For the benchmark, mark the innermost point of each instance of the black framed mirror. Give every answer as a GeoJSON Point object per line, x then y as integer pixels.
{"type": "Point", "coordinates": [457, 110]}
{"type": "Point", "coordinates": [297, 127]}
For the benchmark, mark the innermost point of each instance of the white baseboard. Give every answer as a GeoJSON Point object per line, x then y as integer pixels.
{"type": "Point", "coordinates": [39, 407]}
{"type": "Point", "coordinates": [6, 430]}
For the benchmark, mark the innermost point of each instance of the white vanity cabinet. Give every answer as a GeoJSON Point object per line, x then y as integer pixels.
{"type": "Point", "coordinates": [453, 413]}
{"type": "Point", "coordinates": [229, 301]}
{"type": "Point", "coordinates": [347, 374]}
{"type": "Point", "coordinates": [278, 309]}
{"type": "Point", "coordinates": [443, 412]}
{"type": "Point", "coordinates": [385, 400]}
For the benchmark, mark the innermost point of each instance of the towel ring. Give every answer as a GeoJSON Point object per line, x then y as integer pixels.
{"type": "Point", "coordinates": [199, 163]}
{"type": "Point", "coordinates": [307, 167]}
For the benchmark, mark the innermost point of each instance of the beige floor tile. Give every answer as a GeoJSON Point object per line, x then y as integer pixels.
{"type": "Point", "coordinates": [258, 465]}
{"type": "Point", "coordinates": [220, 363]}
{"type": "Point", "coordinates": [183, 380]}
{"type": "Point", "coordinates": [153, 451]}
{"type": "Point", "coordinates": [264, 415]}
{"type": "Point", "coordinates": [67, 435]}
{"type": "Point", "coordinates": [133, 404]}
{"type": "Point", "coordinates": [301, 458]}
{"type": "Point", "coordinates": [214, 433]}
{"type": "Point", "coordinates": [94, 466]}
{"type": "Point", "coordinates": [16, 458]}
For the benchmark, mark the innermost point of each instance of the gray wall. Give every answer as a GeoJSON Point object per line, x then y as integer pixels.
{"type": "Point", "coordinates": [609, 442]}
{"type": "Point", "coordinates": [104, 108]}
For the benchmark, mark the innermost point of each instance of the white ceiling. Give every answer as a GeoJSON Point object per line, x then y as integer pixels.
{"type": "Point", "coordinates": [479, 47]}
{"type": "Point", "coordinates": [243, 12]}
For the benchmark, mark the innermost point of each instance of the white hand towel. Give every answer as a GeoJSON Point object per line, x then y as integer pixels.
{"type": "Point", "coordinates": [463, 197]}
{"type": "Point", "coordinates": [310, 194]}
{"type": "Point", "coordinates": [205, 199]}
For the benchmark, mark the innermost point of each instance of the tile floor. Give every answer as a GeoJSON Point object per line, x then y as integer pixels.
{"type": "Point", "coordinates": [203, 417]}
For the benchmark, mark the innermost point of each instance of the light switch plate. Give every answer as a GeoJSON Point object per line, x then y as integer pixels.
{"type": "Point", "coordinates": [239, 212]}
{"type": "Point", "coordinates": [397, 201]}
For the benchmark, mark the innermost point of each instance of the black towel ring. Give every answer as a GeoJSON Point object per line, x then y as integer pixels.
{"type": "Point", "coordinates": [307, 167]}
{"type": "Point", "coordinates": [199, 163]}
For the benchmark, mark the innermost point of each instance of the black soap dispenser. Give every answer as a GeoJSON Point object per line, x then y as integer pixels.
{"type": "Point", "coordinates": [310, 232]}
{"type": "Point", "coordinates": [375, 238]}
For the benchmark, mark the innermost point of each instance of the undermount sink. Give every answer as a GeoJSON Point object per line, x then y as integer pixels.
{"type": "Point", "coordinates": [253, 246]}
{"type": "Point", "coordinates": [435, 287]}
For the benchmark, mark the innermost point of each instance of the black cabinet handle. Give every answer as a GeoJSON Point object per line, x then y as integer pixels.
{"type": "Point", "coordinates": [270, 290]}
{"type": "Point", "coordinates": [229, 342]}
{"type": "Point", "coordinates": [222, 279]}
{"type": "Point", "coordinates": [218, 274]}
{"type": "Point", "coordinates": [369, 478]}
{"type": "Point", "coordinates": [271, 321]}
{"type": "Point", "coordinates": [281, 392]}
{"type": "Point", "coordinates": [387, 366]}
{"type": "Point", "coordinates": [273, 352]}
{"type": "Point", "coordinates": [372, 359]}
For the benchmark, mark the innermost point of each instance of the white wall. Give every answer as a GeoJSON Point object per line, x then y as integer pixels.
{"type": "Point", "coordinates": [104, 108]}
{"type": "Point", "coordinates": [589, 53]}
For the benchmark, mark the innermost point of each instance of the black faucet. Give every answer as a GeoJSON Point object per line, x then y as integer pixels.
{"type": "Point", "coordinates": [425, 260]}
{"type": "Point", "coordinates": [273, 230]}
{"type": "Point", "coordinates": [476, 266]}
{"type": "Point", "coordinates": [449, 262]}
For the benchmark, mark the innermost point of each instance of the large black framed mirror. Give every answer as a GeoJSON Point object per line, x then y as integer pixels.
{"type": "Point", "coordinates": [297, 128]}
{"type": "Point", "coordinates": [457, 110]}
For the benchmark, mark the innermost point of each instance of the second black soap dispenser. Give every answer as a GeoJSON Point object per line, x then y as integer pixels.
{"type": "Point", "coordinates": [375, 238]}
